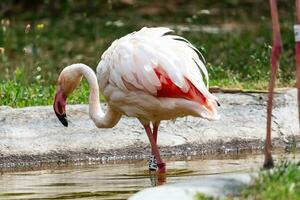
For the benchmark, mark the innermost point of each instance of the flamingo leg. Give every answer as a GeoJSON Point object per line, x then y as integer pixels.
{"type": "Point", "coordinates": [297, 39]}
{"type": "Point", "coordinates": [152, 160]}
{"type": "Point", "coordinates": [161, 165]}
{"type": "Point", "coordinates": [276, 51]}
{"type": "Point", "coordinates": [155, 130]}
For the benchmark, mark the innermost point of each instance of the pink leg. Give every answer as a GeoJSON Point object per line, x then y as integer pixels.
{"type": "Point", "coordinates": [276, 51]}
{"type": "Point", "coordinates": [297, 34]}
{"type": "Point", "coordinates": [155, 131]}
{"type": "Point", "coordinates": [152, 160]}
{"type": "Point", "coordinates": [161, 165]}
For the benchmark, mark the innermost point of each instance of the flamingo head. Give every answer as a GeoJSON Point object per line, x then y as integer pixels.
{"type": "Point", "coordinates": [68, 80]}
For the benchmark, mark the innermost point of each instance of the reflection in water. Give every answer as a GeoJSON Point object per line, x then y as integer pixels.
{"type": "Point", "coordinates": [113, 181]}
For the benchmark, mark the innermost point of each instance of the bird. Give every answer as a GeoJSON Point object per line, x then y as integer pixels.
{"type": "Point", "coordinates": [152, 75]}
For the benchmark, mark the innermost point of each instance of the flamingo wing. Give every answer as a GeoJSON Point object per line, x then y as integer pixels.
{"type": "Point", "coordinates": [160, 64]}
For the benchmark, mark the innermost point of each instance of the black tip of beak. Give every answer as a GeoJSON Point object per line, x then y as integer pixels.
{"type": "Point", "coordinates": [62, 119]}
{"type": "Point", "coordinates": [218, 103]}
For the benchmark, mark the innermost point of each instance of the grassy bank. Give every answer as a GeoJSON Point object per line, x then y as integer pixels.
{"type": "Point", "coordinates": [15, 94]}
{"type": "Point", "coordinates": [234, 37]}
{"type": "Point", "coordinates": [282, 182]}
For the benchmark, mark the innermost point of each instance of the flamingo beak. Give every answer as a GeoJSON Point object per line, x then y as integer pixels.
{"type": "Point", "coordinates": [59, 107]}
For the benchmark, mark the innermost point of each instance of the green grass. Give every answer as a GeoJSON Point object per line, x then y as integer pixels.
{"type": "Point", "coordinates": [282, 182]}
{"type": "Point", "coordinates": [36, 44]}
{"type": "Point", "coordinates": [200, 196]}
{"type": "Point", "coordinates": [18, 93]}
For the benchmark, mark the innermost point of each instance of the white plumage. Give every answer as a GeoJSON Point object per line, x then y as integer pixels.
{"type": "Point", "coordinates": [133, 58]}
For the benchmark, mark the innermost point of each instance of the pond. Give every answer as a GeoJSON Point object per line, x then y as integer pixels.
{"type": "Point", "coordinates": [117, 180]}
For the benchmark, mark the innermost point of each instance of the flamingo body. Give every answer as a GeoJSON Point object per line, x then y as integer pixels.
{"type": "Point", "coordinates": [154, 77]}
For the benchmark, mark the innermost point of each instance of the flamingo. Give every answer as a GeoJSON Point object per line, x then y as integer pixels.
{"type": "Point", "coordinates": [275, 56]}
{"type": "Point", "coordinates": [150, 75]}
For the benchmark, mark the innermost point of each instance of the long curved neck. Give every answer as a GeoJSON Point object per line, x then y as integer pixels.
{"type": "Point", "coordinates": [101, 119]}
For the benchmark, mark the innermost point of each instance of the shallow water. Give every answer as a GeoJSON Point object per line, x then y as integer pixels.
{"type": "Point", "coordinates": [115, 180]}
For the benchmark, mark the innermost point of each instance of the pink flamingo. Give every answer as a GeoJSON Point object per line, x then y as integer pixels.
{"type": "Point", "coordinates": [150, 75]}
{"type": "Point", "coordinates": [275, 55]}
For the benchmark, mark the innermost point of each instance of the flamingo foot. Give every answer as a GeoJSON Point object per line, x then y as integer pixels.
{"type": "Point", "coordinates": [157, 179]}
{"type": "Point", "coordinates": [269, 162]}
{"type": "Point", "coordinates": [162, 168]}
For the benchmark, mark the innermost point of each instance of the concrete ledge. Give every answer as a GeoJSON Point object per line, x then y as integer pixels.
{"type": "Point", "coordinates": [33, 134]}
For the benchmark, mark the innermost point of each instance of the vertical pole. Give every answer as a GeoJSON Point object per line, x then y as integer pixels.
{"type": "Point", "coordinates": [297, 55]}
{"type": "Point", "coordinates": [276, 50]}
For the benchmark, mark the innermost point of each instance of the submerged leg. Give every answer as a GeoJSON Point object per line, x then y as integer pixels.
{"type": "Point", "coordinates": [161, 165]}
{"type": "Point", "coordinates": [276, 51]}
